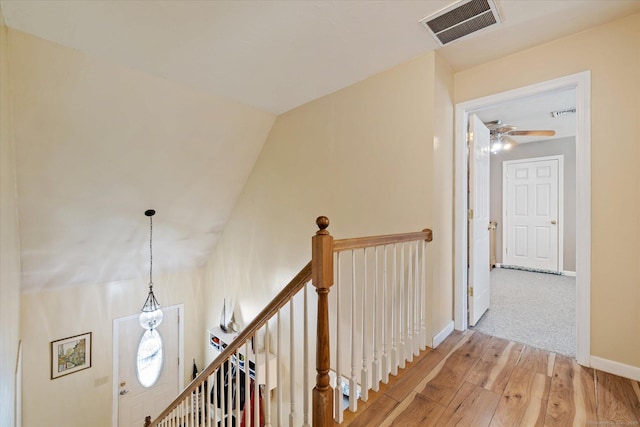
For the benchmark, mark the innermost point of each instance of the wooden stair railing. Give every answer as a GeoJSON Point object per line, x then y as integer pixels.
{"type": "Point", "coordinates": [192, 406]}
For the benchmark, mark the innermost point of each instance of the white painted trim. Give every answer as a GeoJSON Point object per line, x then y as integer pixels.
{"type": "Point", "coordinates": [616, 368]}
{"type": "Point", "coordinates": [442, 335]}
{"type": "Point", "coordinates": [505, 195]}
{"type": "Point", "coordinates": [581, 82]}
{"type": "Point", "coordinates": [114, 377]}
{"type": "Point", "coordinates": [569, 273]}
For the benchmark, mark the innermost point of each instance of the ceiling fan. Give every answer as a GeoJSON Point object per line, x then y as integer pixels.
{"type": "Point", "coordinates": [501, 135]}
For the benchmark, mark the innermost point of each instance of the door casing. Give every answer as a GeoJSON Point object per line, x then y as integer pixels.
{"type": "Point", "coordinates": [581, 82]}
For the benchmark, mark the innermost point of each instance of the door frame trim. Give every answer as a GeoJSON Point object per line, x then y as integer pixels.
{"type": "Point", "coordinates": [581, 82]}
{"type": "Point", "coordinates": [116, 366]}
{"type": "Point", "coordinates": [505, 196]}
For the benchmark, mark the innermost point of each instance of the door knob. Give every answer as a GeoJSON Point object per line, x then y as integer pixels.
{"type": "Point", "coordinates": [553, 221]}
{"type": "Point", "coordinates": [123, 392]}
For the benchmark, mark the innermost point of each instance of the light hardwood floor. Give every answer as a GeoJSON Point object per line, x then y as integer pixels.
{"type": "Point", "coordinates": [478, 380]}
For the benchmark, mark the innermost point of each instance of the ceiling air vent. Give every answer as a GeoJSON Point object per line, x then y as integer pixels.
{"type": "Point", "coordinates": [460, 20]}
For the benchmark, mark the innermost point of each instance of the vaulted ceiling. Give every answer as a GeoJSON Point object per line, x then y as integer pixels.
{"type": "Point", "coordinates": [123, 106]}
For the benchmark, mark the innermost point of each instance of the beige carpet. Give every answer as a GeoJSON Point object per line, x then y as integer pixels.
{"type": "Point", "coordinates": [537, 309]}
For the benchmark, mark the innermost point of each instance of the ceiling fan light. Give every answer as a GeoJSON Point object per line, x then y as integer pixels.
{"type": "Point", "coordinates": [496, 146]}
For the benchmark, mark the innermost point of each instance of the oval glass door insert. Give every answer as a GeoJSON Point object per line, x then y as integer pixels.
{"type": "Point", "coordinates": [149, 359]}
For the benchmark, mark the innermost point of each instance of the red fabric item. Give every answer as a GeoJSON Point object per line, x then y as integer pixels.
{"type": "Point", "coordinates": [252, 407]}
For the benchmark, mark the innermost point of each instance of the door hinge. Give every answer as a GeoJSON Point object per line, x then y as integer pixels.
{"type": "Point", "coordinates": [470, 214]}
{"type": "Point", "coordinates": [470, 291]}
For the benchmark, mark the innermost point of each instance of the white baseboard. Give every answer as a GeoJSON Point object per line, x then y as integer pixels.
{"type": "Point", "coordinates": [498, 265]}
{"type": "Point", "coordinates": [616, 368]}
{"type": "Point", "coordinates": [442, 335]}
{"type": "Point", "coordinates": [569, 273]}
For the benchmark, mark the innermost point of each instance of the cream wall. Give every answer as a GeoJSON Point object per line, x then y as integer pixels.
{"type": "Point", "coordinates": [346, 155]}
{"type": "Point", "coordinates": [364, 156]}
{"type": "Point", "coordinates": [612, 53]}
{"type": "Point", "coordinates": [442, 245]}
{"type": "Point", "coordinates": [79, 399]}
{"type": "Point", "coordinates": [9, 246]}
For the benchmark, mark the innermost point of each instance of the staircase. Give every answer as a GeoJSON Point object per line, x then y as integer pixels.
{"type": "Point", "coordinates": [374, 316]}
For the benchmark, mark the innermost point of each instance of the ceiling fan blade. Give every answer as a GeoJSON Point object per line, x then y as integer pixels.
{"type": "Point", "coordinates": [532, 133]}
{"type": "Point", "coordinates": [511, 141]}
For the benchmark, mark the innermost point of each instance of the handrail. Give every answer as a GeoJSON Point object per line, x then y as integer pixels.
{"type": "Point", "coordinates": [387, 239]}
{"type": "Point", "coordinates": [295, 285]}
{"type": "Point", "coordinates": [320, 273]}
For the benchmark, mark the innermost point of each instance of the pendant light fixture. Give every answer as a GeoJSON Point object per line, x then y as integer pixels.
{"type": "Point", "coordinates": [151, 315]}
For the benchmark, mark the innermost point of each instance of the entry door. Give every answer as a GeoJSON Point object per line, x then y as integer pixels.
{"type": "Point", "coordinates": [479, 284]}
{"type": "Point", "coordinates": [532, 220]}
{"type": "Point", "coordinates": [135, 402]}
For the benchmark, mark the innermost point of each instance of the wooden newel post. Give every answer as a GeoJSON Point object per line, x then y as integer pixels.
{"type": "Point", "coordinates": [147, 421]}
{"type": "Point", "coordinates": [322, 277]}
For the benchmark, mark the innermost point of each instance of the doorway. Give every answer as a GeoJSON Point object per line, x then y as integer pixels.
{"type": "Point", "coordinates": [581, 83]}
{"type": "Point", "coordinates": [137, 394]}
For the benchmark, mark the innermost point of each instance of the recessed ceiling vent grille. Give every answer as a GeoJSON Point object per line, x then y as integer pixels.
{"type": "Point", "coordinates": [461, 20]}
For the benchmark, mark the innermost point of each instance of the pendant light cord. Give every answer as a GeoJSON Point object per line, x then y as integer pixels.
{"type": "Point", "coordinates": [150, 252]}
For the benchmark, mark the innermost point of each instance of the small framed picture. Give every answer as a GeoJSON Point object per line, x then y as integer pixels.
{"type": "Point", "coordinates": [70, 355]}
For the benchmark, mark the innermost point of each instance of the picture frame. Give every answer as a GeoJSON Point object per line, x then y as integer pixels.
{"type": "Point", "coordinates": [69, 355]}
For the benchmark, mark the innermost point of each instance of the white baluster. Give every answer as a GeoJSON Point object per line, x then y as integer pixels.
{"type": "Point", "coordinates": [417, 338]}
{"type": "Point", "coordinates": [246, 411]}
{"type": "Point", "coordinates": [267, 380]}
{"type": "Point", "coordinates": [394, 322]}
{"type": "Point", "coordinates": [353, 380]}
{"type": "Point", "coordinates": [214, 392]}
{"type": "Point", "coordinates": [385, 329]}
{"type": "Point", "coordinates": [256, 385]}
{"type": "Point", "coordinates": [401, 312]}
{"type": "Point", "coordinates": [375, 366]}
{"type": "Point", "coordinates": [364, 374]}
{"type": "Point", "coordinates": [305, 362]}
{"type": "Point", "coordinates": [409, 304]}
{"type": "Point", "coordinates": [424, 301]}
{"type": "Point", "coordinates": [337, 395]}
{"type": "Point", "coordinates": [236, 394]}
{"type": "Point", "coordinates": [279, 374]}
{"type": "Point", "coordinates": [292, 367]}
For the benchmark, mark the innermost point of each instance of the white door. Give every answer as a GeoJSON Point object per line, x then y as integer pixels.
{"type": "Point", "coordinates": [479, 285]}
{"type": "Point", "coordinates": [135, 401]}
{"type": "Point", "coordinates": [531, 216]}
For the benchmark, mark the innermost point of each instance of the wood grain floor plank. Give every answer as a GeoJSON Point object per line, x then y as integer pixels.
{"type": "Point", "coordinates": [494, 368]}
{"type": "Point", "coordinates": [524, 400]}
{"type": "Point", "coordinates": [474, 345]}
{"type": "Point", "coordinates": [450, 342]}
{"type": "Point", "coordinates": [535, 359]}
{"type": "Point", "coordinates": [454, 372]}
{"type": "Point", "coordinates": [420, 411]}
{"type": "Point", "coordinates": [472, 406]}
{"type": "Point", "coordinates": [373, 415]}
{"type": "Point", "coordinates": [431, 372]}
{"type": "Point", "coordinates": [617, 400]}
{"type": "Point", "coordinates": [572, 399]}
{"type": "Point", "coordinates": [406, 384]}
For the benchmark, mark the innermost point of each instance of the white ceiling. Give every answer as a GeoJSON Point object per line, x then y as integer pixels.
{"type": "Point", "coordinates": [166, 104]}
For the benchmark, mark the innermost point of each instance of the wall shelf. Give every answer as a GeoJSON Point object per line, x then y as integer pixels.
{"type": "Point", "coordinates": [219, 340]}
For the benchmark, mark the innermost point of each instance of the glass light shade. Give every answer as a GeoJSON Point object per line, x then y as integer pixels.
{"type": "Point", "coordinates": [151, 319]}
{"type": "Point", "coordinates": [151, 315]}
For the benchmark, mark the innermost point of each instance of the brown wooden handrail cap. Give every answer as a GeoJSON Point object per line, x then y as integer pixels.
{"type": "Point", "coordinates": [322, 222]}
